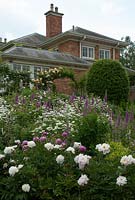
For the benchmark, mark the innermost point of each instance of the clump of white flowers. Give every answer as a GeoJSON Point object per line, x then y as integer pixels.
{"type": "Point", "coordinates": [82, 160]}
{"type": "Point", "coordinates": [13, 170]}
{"type": "Point", "coordinates": [26, 187]}
{"type": "Point", "coordinates": [60, 159]}
{"type": "Point", "coordinates": [31, 144]}
{"type": "Point", "coordinates": [121, 180]}
{"type": "Point", "coordinates": [2, 156]}
{"type": "Point", "coordinates": [83, 180]}
{"type": "Point", "coordinates": [49, 146]}
{"type": "Point", "coordinates": [127, 160]}
{"type": "Point", "coordinates": [70, 149]}
{"type": "Point", "coordinates": [9, 150]}
{"type": "Point", "coordinates": [20, 166]}
{"type": "Point", "coordinates": [104, 148]}
{"type": "Point", "coordinates": [77, 145]}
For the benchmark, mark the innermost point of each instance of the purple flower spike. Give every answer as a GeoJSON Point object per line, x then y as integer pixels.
{"type": "Point", "coordinates": [82, 148]}
{"type": "Point", "coordinates": [25, 142]}
{"type": "Point", "coordinates": [42, 139]}
{"type": "Point", "coordinates": [58, 141]}
{"type": "Point", "coordinates": [126, 117]}
{"type": "Point", "coordinates": [38, 104]}
{"type": "Point", "coordinates": [36, 139]}
{"type": "Point", "coordinates": [64, 134]}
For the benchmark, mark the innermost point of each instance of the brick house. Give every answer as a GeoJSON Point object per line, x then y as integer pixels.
{"type": "Point", "coordinates": [77, 48]}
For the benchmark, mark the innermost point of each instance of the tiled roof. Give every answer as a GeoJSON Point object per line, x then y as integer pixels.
{"type": "Point", "coordinates": [34, 39]}
{"type": "Point", "coordinates": [81, 34]}
{"type": "Point", "coordinates": [44, 55]}
{"type": "Point", "coordinates": [90, 33]}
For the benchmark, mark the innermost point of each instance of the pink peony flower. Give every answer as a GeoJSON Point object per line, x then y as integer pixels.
{"type": "Point", "coordinates": [25, 142]}
{"type": "Point", "coordinates": [64, 134]}
{"type": "Point", "coordinates": [58, 141]}
{"type": "Point", "coordinates": [82, 148]}
{"type": "Point", "coordinates": [42, 139]}
{"type": "Point", "coordinates": [44, 133]}
{"type": "Point", "coordinates": [35, 139]}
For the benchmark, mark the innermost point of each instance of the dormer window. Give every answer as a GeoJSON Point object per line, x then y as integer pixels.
{"type": "Point", "coordinates": [104, 54]}
{"type": "Point", "coordinates": [88, 52]}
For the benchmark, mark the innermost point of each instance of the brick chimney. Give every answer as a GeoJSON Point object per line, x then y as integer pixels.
{"type": "Point", "coordinates": [53, 22]}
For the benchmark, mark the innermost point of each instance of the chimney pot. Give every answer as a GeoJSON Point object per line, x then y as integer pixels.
{"type": "Point", "coordinates": [56, 9]}
{"type": "Point", "coordinates": [5, 40]}
{"type": "Point", "coordinates": [73, 27]}
{"type": "Point", "coordinates": [51, 6]}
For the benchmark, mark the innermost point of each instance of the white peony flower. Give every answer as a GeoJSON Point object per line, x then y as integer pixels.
{"type": "Point", "coordinates": [57, 146]}
{"type": "Point", "coordinates": [2, 156]}
{"type": "Point", "coordinates": [82, 160]}
{"type": "Point", "coordinates": [104, 148]}
{"type": "Point", "coordinates": [26, 187]}
{"type": "Point", "coordinates": [20, 166]}
{"type": "Point", "coordinates": [49, 146]}
{"type": "Point", "coordinates": [71, 149]}
{"type": "Point", "coordinates": [17, 141]}
{"type": "Point", "coordinates": [83, 180]}
{"type": "Point", "coordinates": [127, 160]}
{"type": "Point", "coordinates": [31, 144]}
{"type": "Point", "coordinates": [99, 147]}
{"type": "Point", "coordinates": [121, 180]}
{"type": "Point", "coordinates": [60, 159]}
{"type": "Point", "coordinates": [8, 150]}
{"type": "Point", "coordinates": [77, 145]}
{"type": "Point", "coordinates": [13, 170]}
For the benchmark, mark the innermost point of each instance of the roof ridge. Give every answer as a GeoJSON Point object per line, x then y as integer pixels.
{"type": "Point", "coordinates": [99, 34]}
{"type": "Point", "coordinates": [23, 37]}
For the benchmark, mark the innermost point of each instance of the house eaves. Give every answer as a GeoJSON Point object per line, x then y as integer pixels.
{"type": "Point", "coordinates": [25, 58]}
{"type": "Point", "coordinates": [43, 56]}
{"type": "Point", "coordinates": [73, 35]}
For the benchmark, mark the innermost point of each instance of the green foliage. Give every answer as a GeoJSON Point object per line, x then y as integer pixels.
{"type": "Point", "coordinates": [91, 130]}
{"type": "Point", "coordinates": [118, 150]}
{"type": "Point", "coordinates": [132, 79]}
{"type": "Point", "coordinates": [108, 77]}
{"type": "Point", "coordinates": [80, 85]}
{"type": "Point", "coordinates": [10, 80]}
{"type": "Point", "coordinates": [127, 57]}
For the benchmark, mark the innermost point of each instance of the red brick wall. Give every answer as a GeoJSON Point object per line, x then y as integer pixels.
{"type": "Point", "coordinates": [72, 47]}
{"type": "Point", "coordinates": [111, 52]}
{"type": "Point", "coordinates": [117, 54]}
{"type": "Point", "coordinates": [65, 85]}
{"type": "Point", "coordinates": [53, 25]}
{"type": "Point", "coordinates": [96, 52]}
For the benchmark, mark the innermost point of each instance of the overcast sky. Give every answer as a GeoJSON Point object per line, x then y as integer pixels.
{"type": "Point", "coordinates": [114, 18]}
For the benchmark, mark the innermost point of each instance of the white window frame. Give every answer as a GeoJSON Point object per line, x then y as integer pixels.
{"type": "Point", "coordinates": [105, 50]}
{"type": "Point", "coordinates": [87, 57]}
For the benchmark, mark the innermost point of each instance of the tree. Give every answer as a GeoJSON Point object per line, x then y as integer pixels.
{"type": "Point", "coordinates": [108, 76]}
{"type": "Point", "coordinates": [127, 57]}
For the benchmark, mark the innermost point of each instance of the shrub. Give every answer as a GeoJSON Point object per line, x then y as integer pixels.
{"type": "Point", "coordinates": [92, 129]}
{"type": "Point", "coordinates": [108, 76]}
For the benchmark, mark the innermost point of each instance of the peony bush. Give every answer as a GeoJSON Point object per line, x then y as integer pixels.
{"type": "Point", "coordinates": [43, 155]}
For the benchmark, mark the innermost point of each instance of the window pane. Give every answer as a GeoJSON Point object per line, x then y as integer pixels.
{"type": "Point", "coordinates": [101, 54]}
{"type": "Point", "coordinates": [107, 54]}
{"type": "Point", "coordinates": [26, 68]}
{"type": "Point", "coordinates": [36, 70]}
{"type": "Point", "coordinates": [91, 53]}
{"type": "Point", "coordinates": [16, 67]}
{"type": "Point", "coordinates": [84, 51]}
